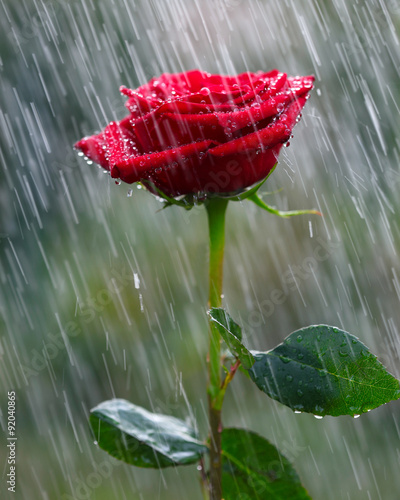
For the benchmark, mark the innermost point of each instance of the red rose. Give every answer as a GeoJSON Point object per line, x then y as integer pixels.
{"type": "Point", "coordinates": [196, 132]}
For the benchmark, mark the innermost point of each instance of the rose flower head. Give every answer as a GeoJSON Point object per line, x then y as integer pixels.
{"type": "Point", "coordinates": [198, 133]}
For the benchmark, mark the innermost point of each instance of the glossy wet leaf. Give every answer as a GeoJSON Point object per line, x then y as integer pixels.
{"type": "Point", "coordinates": [325, 371]}
{"type": "Point", "coordinates": [139, 437]}
{"type": "Point", "coordinates": [232, 335]}
{"type": "Point", "coordinates": [252, 469]}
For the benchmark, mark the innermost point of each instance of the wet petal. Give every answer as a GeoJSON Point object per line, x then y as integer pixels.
{"type": "Point", "coordinates": [134, 168]}
{"type": "Point", "coordinates": [277, 132]}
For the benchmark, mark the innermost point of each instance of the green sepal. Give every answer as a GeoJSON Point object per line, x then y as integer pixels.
{"type": "Point", "coordinates": [253, 190]}
{"type": "Point", "coordinates": [186, 202]}
{"type": "Point", "coordinates": [191, 200]}
{"type": "Point", "coordinates": [285, 214]}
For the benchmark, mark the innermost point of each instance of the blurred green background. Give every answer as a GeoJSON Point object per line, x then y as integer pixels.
{"type": "Point", "coordinates": [127, 283]}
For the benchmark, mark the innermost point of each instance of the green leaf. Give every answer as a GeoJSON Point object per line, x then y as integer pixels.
{"type": "Point", "coordinates": [259, 202]}
{"type": "Point", "coordinates": [325, 371]}
{"type": "Point", "coordinates": [232, 335]}
{"type": "Point", "coordinates": [139, 437]}
{"type": "Point", "coordinates": [252, 469]}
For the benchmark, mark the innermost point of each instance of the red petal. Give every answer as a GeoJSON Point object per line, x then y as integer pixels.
{"type": "Point", "coordinates": [94, 147]}
{"type": "Point", "coordinates": [137, 104]}
{"type": "Point", "coordinates": [276, 133]}
{"type": "Point", "coordinates": [134, 168]}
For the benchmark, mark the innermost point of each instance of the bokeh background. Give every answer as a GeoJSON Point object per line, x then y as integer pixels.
{"type": "Point", "coordinates": [103, 295]}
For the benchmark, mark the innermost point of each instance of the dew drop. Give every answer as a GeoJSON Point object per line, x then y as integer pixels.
{"type": "Point", "coordinates": [129, 193]}
{"type": "Point", "coordinates": [205, 91]}
{"type": "Point", "coordinates": [318, 417]}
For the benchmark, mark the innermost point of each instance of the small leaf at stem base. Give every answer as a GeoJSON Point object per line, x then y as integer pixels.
{"type": "Point", "coordinates": [232, 335]}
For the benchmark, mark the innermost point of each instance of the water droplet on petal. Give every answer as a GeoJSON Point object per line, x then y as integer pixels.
{"type": "Point", "coordinates": [205, 91]}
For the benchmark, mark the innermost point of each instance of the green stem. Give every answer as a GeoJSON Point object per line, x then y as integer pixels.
{"type": "Point", "coordinates": [203, 480]}
{"type": "Point", "coordinates": [216, 209]}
